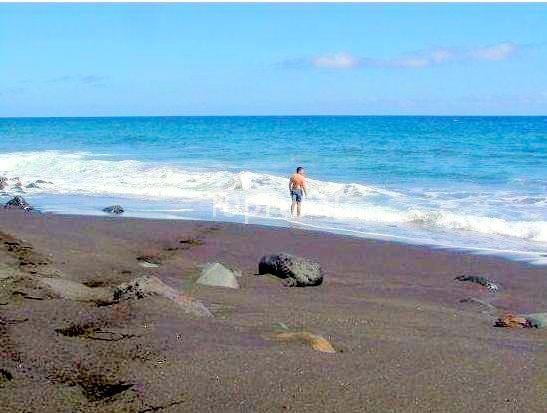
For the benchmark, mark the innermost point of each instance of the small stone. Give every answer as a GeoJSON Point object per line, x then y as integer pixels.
{"type": "Point", "coordinates": [114, 209]}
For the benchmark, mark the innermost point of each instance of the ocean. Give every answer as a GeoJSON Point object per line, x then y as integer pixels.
{"type": "Point", "coordinates": [471, 183]}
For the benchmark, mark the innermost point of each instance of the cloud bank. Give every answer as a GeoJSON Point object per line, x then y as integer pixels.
{"type": "Point", "coordinates": [415, 60]}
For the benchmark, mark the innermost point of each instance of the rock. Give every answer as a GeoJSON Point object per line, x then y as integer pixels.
{"type": "Point", "coordinates": [218, 275]}
{"type": "Point", "coordinates": [316, 342]}
{"type": "Point", "coordinates": [40, 181]}
{"type": "Point", "coordinates": [298, 271]}
{"type": "Point", "coordinates": [114, 209]}
{"type": "Point", "coordinates": [537, 320]}
{"type": "Point", "coordinates": [480, 279]}
{"type": "Point", "coordinates": [32, 185]}
{"type": "Point", "coordinates": [3, 182]}
{"type": "Point", "coordinates": [5, 376]}
{"type": "Point", "coordinates": [147, 285]}
{"type": "Point", "coordinates": [18, 202]}
{"type": "Point", "coordinates": [73, 290]}
{"type": "Point", "coordinates": [147, 261]}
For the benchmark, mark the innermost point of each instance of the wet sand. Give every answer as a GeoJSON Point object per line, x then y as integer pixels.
{"type": "Point", "coordinates": [405, 342]}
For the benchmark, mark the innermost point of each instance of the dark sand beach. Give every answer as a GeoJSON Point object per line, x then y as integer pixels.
{"type": "Point", "coordinates": [404, 340]}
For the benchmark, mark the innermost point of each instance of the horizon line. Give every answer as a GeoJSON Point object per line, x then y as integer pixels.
{"type": "Point", "coordinates": [274, 116]}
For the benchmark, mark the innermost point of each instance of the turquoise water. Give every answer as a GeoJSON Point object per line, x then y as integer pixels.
{"type": "Point", "coordinates": [473, 182]}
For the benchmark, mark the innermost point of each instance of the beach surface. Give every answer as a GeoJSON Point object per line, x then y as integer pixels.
{"type": "Point", "coordinates": [408, 336]}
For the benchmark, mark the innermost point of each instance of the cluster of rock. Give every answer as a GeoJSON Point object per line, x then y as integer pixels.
{"type": "Point", "coordinates": [16, 186]}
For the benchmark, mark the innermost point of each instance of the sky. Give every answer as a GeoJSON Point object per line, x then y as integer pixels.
{"type": "Point", "coordinates": [272, 59]}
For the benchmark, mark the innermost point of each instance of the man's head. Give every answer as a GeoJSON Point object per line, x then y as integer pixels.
{"type": "Point", "coordinates": [300, 170]}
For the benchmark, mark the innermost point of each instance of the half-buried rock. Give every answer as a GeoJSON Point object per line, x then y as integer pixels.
{"type": "Point", "coordinates": [297, 271]}
{"type": "Point", "coordinates": [217, 275]}
{"type": "Point", "coordinates": [147, 285]}
{"type": "Point", "coordinates": [18, 202]}
{"type": "Point", "coordinates": [114, 209]}
{"type": "Point", "coordinates": [73, 290]}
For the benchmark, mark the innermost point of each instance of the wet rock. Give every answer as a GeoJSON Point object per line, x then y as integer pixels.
{"type": "Point", "coordinates": [3, 182]}
{"type": "Point", "coordinates": [297, 271]}
{"type": "Point", "coordinates": [18, 202]}
{"type": "Point", "coordinates": [32, 185]}
{"type": "Point", "coordinates": [40, 181]}
{"type": "Point", "coordinates": [148, 285]}
{"type": "Point", "coordinates": [481, 280]}
{"type": "Point", "coordinates": [218, 275]}
{"type": "Point", "coordinates": [114, 209]}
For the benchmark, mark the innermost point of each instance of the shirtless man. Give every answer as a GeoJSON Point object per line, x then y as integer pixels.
{"type": "Point", "coordinates": [297, 186]}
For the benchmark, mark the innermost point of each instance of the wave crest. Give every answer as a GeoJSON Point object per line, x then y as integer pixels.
{"type": "Point", "coordinates": [259, 193]}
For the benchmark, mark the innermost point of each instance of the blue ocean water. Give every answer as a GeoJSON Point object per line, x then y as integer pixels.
{"type": "Point", "coordinates": [471, 182]}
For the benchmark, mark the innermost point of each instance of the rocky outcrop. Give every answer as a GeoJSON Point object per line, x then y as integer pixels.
{"type": "Point", "coordinates": [18, 202]}
{"type": "Point", "coordinates": [114, 209]}
{"type": "Point", "coordinates": [148, 285]}
{"type": "Point", "coordinates": [218, 275]}
{"type": "Point", "coordinates": [3, 182]}
{"type": "Point", "coordinates": [297, 271]}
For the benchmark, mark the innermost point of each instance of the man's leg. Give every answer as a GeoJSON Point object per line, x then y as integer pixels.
{"type": "Point", "coordinates": [293, 204]}
{"type": "Point", "coordinates": [298, 208]}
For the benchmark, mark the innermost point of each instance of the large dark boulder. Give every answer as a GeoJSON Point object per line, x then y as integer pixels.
{"type": "Point", "coordinates": [297, 271]}
{"type": "Point", "coordinates": [18, 202]}
{"type": "Point", "coordinates": [114, 209]}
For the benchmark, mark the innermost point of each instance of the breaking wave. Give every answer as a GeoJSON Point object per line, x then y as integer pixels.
{"type": "Point", "coordinates": [267, 195]}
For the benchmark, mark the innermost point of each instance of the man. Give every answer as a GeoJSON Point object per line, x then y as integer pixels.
{"type": "Point", "coordinates": [297, 187]}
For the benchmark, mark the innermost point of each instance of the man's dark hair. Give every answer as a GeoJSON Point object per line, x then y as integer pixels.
{"type": "Point", "coordinates": [299, 169]}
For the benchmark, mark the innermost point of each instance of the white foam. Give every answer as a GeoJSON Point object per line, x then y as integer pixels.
{"type": "Point", "coordinates": [266, 195]}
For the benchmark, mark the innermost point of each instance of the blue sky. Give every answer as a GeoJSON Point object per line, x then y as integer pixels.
{"type": "Point", "coordinates": [284, 59]}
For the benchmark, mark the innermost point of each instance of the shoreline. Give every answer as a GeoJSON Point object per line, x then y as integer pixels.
{"type": "Point", "coordinates": [508, 255]}
{"type": "Point", "coordinates": [535, 258]}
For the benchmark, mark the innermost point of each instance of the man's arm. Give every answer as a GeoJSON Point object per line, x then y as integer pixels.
{"type": "Point", "coordinates": [305, 188]}
{"type": "Point", "coordinates": [290, 183]}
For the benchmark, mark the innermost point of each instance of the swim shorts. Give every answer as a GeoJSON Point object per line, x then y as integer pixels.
{"type": "Point", "coordinates": [296, 195]}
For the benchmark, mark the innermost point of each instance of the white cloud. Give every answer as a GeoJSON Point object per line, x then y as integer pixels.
{"type": "Point", "coordinates": [336, 61]}
{"type": "Point", "coordinates": [498, 51]}
{"type": "Point", "coordinates": [414, 60]}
